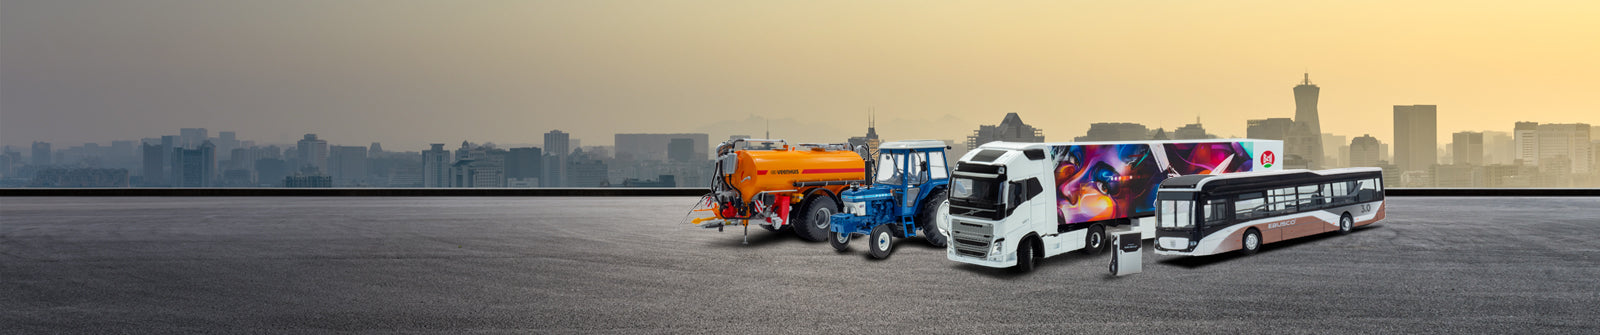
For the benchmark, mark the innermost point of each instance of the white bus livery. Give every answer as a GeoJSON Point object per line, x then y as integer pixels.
{"type": "Point", "coordinates": [1212, 214]}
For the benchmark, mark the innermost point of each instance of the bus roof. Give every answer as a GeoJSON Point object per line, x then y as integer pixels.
{"type": "Point", "coordinates": [1002, 145]}
{"type": "Point", "coordinates": [1260, 179]}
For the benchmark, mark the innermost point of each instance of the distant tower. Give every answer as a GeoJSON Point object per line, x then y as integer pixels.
{"type": "Point", "coordinates": [1305, 136]}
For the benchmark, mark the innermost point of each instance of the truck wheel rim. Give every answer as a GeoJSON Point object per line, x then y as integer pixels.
{"type": "Point", "coordinates": [883, 241]}
{"type": "Point", "coordinates": [821, 220]}
{"type": "Point", "coordinates": [1094, 240]}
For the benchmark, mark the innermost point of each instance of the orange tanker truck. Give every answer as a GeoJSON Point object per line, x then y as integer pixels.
{"type": "Point", "coordinates": [778, 186]}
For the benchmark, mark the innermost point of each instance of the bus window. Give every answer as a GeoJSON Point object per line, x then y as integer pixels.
{"type": "Point", "coordinates": [1280, 200]}
{"type": "Point", "coordinates": [1308, 196]}
{"type": "Point", "coordinates": [1367, 192]}
{"type": "Point", "coordinates": [1249, 206]}
{"type": "Point", "coordinates": [1215, 211]}
{"type": "Point", "coordinates": [1339, 193]}
{"type": "Point", "coordinates": [1378, 184]}
{"type": "Point", "coordinates": [1176, 214]}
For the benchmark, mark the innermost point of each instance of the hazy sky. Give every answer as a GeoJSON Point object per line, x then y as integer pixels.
{"type": "Point", "coordinates": [408, 73]}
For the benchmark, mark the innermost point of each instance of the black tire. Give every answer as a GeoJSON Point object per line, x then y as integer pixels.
{"type": "Point", "coordinates": [1094, 242]}
{"type": "Point", "coordinates": [1027, 256]}
{"type": "Point", "coordinates": [811, 223]}
{"type": "Point", "coordinates": [1346, 224]}
{"type": "Point", "coordinates": [1251, 243]}
{"type": "Point", "coordinates": [839, 241]}
{"type": "Point", "coordinates": [935, 206]}
{"type": "Point", "coordinates": [881, 242]}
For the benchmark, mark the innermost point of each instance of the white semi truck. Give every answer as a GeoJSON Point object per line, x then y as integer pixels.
{"type": "Point", "coordinates": [1012, 204]}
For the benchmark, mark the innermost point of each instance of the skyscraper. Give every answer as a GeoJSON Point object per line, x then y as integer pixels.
{"type": "Point", "coordinates": [1364, 151]}
{"type": "Point", "coordinates": [193, 167]}
{"type": "Point", "coordinates": [653, 147]}
{"type": "Point", "coordinates": [1467, 148]}
{"type": "Point", "coordinates": [347, 164]}
{"type": "Point", "coordinates": [524, 167]}
{"type": "Point", "coordinates": [41, 153]}
{"type": "Point", "coordinates": [1416, 137]}
{"type": "Point", "coordinates": [155, 172]}
{"type": "Point", "coordinates": [436, 166]}
{"type": "Point", "coordinates": [312, 151]}
{"type": "Point", "coordinates": [1305, 135]}
{"type": "Point", "coordinates": [1526, 138]}
{"type": "Point", "coordinates": [1566, 141]}
{"type": "Point", "coordinates": [557, 146]}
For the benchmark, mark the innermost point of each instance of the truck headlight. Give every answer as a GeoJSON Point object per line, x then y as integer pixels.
{"type": "Point", "coordinates": [995, 248]}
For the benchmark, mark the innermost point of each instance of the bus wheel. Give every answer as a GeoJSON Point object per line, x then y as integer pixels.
{"type": "Point", "coordinates": [812, 223]}
{"type": "Point", "coordinates": [840, 242]}
{"type": "Point", "coordinates": [1095, 242]}
{"type": "Point", "coordinates": [1027, 259]}
{"type": "Point", "coordinates": [1252, 241]}
{"type": "Point", "coordinates": [881, 242]}
{"type": "Point", "coordinates": [1346, 224]}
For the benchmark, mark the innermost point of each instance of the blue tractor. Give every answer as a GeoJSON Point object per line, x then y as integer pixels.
{"type": "Point", "coordinates": [908, 193]}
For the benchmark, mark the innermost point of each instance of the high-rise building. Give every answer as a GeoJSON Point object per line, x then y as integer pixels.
{"type": "Point", "coordinates": [436, 166]}
{"type": "Point", "coordinates": [557, 143]}
{"type": "Point", "coordinates": [41, 153]}
{"type": "Point", "coordinates": [1010, 129]}
{"type": "Point", "coordinates": [155, 172]}
{"type": "Point", "coordinates": [1526, 138]}
{"type": "Point", "coordinates": [1192, 131]}
{"type": "Point", "coordinates": [1467, 148]}
{"type": "Point", "coordinates": [191, 137]}
{"type": "Point", "coordinates": [375, 149]}
{"type": "Point", "coordinates": [681, 150]}
{"type": "Point", "coordinates": [1498, 148]}
{"type": "Point", "coordinates": [1305, 135]}
{"type": "Point", "coordinates": [271, 171]}
{"type": "Point", "coordinates": [1364, 151]}
{"type": "Point", "coordinates": [312, 151]}
{"type": "Point", "coordinates": [226, 142]}
{"type": "Point", "coordinates": [584, 171]}
{"type": "Point", "coordinates": [1567, 140]}
{"type": "Point", "coordinates": [870, 141]}
{"type": "Point", "coordinates": [524, 166]}
{"type": "Point", "coordinates": [1337, 149]}
{"type": "Point", "coordinates": [1416, 137]}
{"type": "Point", "coordinates": [194, 167]}
{"type": "Point", "coordinates": [654, 147]}
{"type": "Point", "coordinates": [347, 165]}
{"type": "Point", "coordinates": [557, 146]}
{"type": "Point", "coordinates": [1268, 129]}
{"type": "Point", "coordinates": [1112, 131]}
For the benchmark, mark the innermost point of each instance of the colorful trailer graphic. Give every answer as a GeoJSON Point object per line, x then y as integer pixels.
{"type": "Point", "coordinates": [1096, 182]}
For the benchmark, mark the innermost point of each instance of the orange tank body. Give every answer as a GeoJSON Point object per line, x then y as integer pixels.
{"type": "Point", "coordinates": [778, 170]}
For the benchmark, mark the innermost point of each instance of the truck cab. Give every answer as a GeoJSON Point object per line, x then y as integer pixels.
{"type": "Point", "coordinates": [998, 202]}
{"type": "Point", "coordinates": [908, 193]}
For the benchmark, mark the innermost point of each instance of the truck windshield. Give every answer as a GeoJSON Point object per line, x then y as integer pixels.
{"type": "Point", "coordinates": [1176, 214]}
{"type": "Point", "coordinates": [976, 190]}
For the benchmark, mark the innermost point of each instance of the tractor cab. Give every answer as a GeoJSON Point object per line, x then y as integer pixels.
{"type": "Point", "coordinates": [907, 193]}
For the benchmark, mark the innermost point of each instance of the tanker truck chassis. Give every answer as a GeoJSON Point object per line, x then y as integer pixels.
{"type": "Point", "coordinates": [779, 187]}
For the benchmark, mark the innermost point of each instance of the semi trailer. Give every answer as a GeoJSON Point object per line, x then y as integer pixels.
{"type": "Point", "coordinates": [1013, 204]}
{"type": "Point", "coordinates": [778, 186]}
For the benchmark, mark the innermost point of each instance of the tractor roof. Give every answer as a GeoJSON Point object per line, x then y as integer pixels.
{"type": "Point", "coordinates": [912, 144]}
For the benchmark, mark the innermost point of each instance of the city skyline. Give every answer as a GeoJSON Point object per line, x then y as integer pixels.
{"type": "Point", "coordinates": [409, 74]}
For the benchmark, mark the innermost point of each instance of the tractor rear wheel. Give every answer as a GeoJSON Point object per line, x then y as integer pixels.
{"type": "Point", "coordinates": [935, 211]}
{"type": "Point", "coordinates": [812, 222]}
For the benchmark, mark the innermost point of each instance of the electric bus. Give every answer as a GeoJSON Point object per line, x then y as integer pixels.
{"type": "Point", "coordinates": [1212, 214]}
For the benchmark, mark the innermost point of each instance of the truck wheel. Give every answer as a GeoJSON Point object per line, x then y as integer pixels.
{"type": "Point", "coordinates": [1346, 224]}
{"type": "Point", "coordinates": [812, 222]}
{"type": "Point", "coordinates": [881, 242]}
{"type": "Point", "coordinates": [1027, 259]}
{"type": "Point", "coordinates": [840, 242]}
{"type": "Point", "coordinates": [935, 211]}
{"type": "Point", "coordinates": [1095, 242]}
{"type": "Point", "coordinates": [1251, 241]}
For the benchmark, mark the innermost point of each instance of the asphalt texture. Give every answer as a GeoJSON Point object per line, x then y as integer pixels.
{"type": "Point", "coordinates": [629, 265]}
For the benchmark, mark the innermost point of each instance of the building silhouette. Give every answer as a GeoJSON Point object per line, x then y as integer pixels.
{"type": "Point", "coordinates": [1010, 129]}
{"type": "Point", "coordinates": [194, 167]}
{"type": "Point", "coordinates": [1416, 137]}
{"type": "Point", "coordinates": [682, 150]}
{"type": "Point", "coordinates": [1526, 138]}
{"type": "Point", "coordinates": [1115, 131]}
{"type": "Point", "coordinates": [1466, 148]}
{"type": "Point", "coordinates": [191, 138]}
{"type": "Point", "coordinates": [271, 171]}
{"type": "Point", "coordinates": [1365, 151]}
{"type": "Point", "coordinates": [870, 140]}
{"type": "Point", "coordinates": [41, 153]}
{"type": "Point", "coordinates": [1268, 129]}
{"type": "Point", "coordinates": [524, 167]}
{"type": "Point", "coordinates": [1304, 138]}
{"type": "Point", "coordinates": [312, 151]}
{"type": "Point", "coordinates": [154, 165]}
{"type": "Point", "coordinates": [347, 165]}
{"type": "Point", "coordinates": [654, 147]}
{"type": "Point", "coordinates": [1192, 131]}
{"type": "Point", "coordinates": [557, 146]}
{"type": "Point", "coordinates": [436, 166]}
{"type": "Point", "coordinates": [1569, 141]}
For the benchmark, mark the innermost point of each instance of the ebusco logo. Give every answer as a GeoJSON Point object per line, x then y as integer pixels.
{"type": "Point", "coordinates": [1267, 158]}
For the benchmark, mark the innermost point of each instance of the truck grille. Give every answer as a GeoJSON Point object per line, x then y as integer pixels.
{"type": "Point", "coordinates": [971, 239]}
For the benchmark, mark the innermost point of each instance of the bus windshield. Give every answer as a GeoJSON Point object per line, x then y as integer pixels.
{"type": "Point", "coordinates": [1177, 214]}
{"type": "Point", "coordinates": [976, 190]}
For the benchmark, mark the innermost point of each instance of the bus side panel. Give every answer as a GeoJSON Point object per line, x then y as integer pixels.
{"type": "Point", "coordinates": [1099, 182]}
{"type": "Point", "coordinates": [1376, 216]}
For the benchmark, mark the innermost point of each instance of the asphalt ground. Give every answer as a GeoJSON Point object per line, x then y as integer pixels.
{"type": "Point", "coordinates": [628, 265]}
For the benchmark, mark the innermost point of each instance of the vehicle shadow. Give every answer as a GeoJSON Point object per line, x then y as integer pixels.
{"type": "Point", "coordinates": [1069, 259]}
{"type": "Point", "coordinates": [1196, 262]}
{"type": "Point", "coordinates": [758, 238]}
